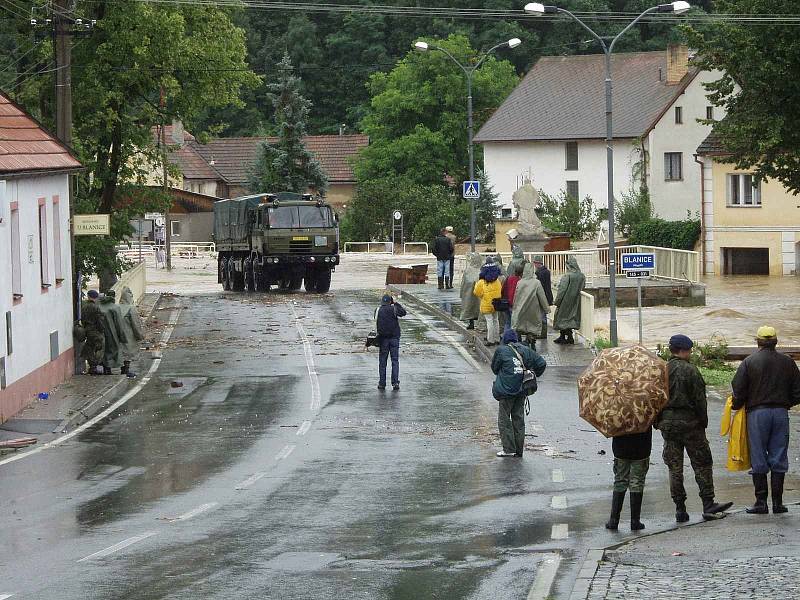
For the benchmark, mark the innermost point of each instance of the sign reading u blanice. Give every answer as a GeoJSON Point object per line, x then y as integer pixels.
{"type": "Point", "coordinates": [639, 261]}
{"type": "Point", "coordinates": [92, 224]}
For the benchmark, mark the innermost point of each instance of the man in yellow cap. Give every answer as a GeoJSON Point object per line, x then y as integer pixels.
{"type": "Point", "coordinates": [767, 385]}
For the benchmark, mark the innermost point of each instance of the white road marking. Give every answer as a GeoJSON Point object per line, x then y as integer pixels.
{"type": "Point", "coordinates": [558, 476]}
{"type": "Point", "coordinates": [287, 450]}
{"type": "Point", "coordinates": [545, 576]}
{"type": "Point", "coordinates": [97, 418]}
{"type": "Point", "coordinates": [304, 428]}
{"type": "Point", "coordinates": [120, 546]}
{"type": "Point", "coordinates": [250, 481]}
{"type": "Point", "coordinates": [558, 502]}
{"type": "Point", "coordinates": [560, 531]}
{"type": "Point", "coordinates": [196, 511]}
{"type": "Point", "coordinates": [316, 396]}
{"type": "Point", "coordinates": [5, 596]}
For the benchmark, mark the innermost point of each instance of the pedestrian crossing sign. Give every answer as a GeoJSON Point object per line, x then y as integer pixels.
{"type": "Point", "coordinates": [472, 190]}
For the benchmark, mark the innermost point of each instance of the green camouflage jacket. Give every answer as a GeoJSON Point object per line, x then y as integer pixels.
{"type": "Point", "coordinates": [687, 407]}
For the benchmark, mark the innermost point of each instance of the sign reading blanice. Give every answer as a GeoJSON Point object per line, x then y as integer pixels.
{"type": "Point", "coordinates": [92, 224]}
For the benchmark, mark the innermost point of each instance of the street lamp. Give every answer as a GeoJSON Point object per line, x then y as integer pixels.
{"type": "Point", "coordinates": [423, 46]}
{"type": "Point", "coordinates": [675, 8]}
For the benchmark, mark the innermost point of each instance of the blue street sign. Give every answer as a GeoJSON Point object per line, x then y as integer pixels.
{"type": "Point", "coordinates": [471, 190]}
{"type": "Point", "coordinates": [639, 261]}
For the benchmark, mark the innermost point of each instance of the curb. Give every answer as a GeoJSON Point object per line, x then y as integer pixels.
{"type": "Point", "coordinates": [454, 324]}
{"type": "Point", "coordinates": [96, 405]}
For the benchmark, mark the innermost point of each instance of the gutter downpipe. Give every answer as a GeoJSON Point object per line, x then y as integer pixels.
{"type": "Point", "coordinates": [702, 216]}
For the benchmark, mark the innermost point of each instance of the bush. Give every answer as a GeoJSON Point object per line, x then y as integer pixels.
{"type": "Point", "coordinates": [633, 209]}
{"type": "Point", "coordinates": [563, 213]}
{"type": "Point", "coordinates": [710, 355]}
{"type": "Point", "coordinates": [682, 235]}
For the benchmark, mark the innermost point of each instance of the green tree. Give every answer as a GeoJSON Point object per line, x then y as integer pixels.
{"type": "Point", "coordinates": [417, 117]}
{"type": "Point", "coordinates": [758, 88]}
{"type": "Point", "coordinates": [287, 165]}
{"type": "Point", "coordinates": [564, 213]}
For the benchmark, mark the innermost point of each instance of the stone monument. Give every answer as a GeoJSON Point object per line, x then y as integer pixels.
{"type": "Point", "coordinates": [529, 234]}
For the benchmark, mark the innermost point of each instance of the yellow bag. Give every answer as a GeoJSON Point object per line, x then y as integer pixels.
{"type": "Point", "coordinates": [735, 427]}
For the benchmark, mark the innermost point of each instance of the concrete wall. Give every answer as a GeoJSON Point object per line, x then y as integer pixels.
{"type": "Point", "coordinates": [194, 227]}
{"type": "Point", "coordinates": [508, 163]}
{"type": "Point", "coordinates": [29, 366]}
{"type": "Point", "coordinates": [774, 225]}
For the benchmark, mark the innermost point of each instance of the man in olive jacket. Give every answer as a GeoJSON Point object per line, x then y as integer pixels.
{"type": "Point", "coordinates": [507, 390]}
{"type": "Point", "coordinates": [683, 425]}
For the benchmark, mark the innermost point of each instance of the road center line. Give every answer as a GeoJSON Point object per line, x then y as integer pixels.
{"type": "Point", "coordinates": [316, 396]}
{"type": "Point", "coordinates": [304, 428]}
{"type": "Point", "coordinates": [545, 576]}
{"type": "Point", "coordinates": [287, 450]}
{"type": "Point", "coordinates": [560, 531]}
{"type": "Point", "coordinates": [250, 481]}
{"type": "Point", "coordinates": [558, 476]}
{"type": "Point", "coordinates": [120, 546]}
{"type": "Point", "coordinates": [558, 502]}
{"type": "Point", "coordinates": [196, 511]}
{"type": "Point", "coordinates": [119, 403]}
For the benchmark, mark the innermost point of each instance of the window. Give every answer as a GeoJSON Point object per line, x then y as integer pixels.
{"type": "Point", "coordinates": [571, 152]}
{"type": "Point", "coordinates": [743, 190]}
{"type": "Point", "coordinates": [59, 268]}
{"type": "Point", "coordinates": [573, 190]}
{"type": "Point", "coordinates": [709, 113]}
{"type": "Point", "coordinates": [678, 115]}
{"type": "Point", "coordinates": [44, 252]}
{"type": "Point", "coordinates": [175, 228]}
{"type": "Point", "coordinates": [287, 217]}
{"type": "Point", "coordinates": [673, 170]}
{"type": "Point", "coordinates": [16, 267]}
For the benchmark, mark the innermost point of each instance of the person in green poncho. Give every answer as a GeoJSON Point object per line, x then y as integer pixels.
{"type": "Point", "coordinates": [568, 302]}
{"type": "Point", "coordinates": [114, 332]}
{"type": "Point", "coordinates": [470, 304]}
{"type": "Point", "coordinates": [517, 260]}
{"type": "Point", "coordinates": [530, 302]}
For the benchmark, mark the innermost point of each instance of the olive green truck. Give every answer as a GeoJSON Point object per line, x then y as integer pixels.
{"type": "Point", "coordinates": [281, 240]}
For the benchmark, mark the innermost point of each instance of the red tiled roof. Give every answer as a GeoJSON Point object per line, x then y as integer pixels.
{"type": "Point", "coordinates": [234, 157]}
{"type": "Point", "coordinates": [26, 146]}
{"type": "Point", "coordinates": [193, 166]}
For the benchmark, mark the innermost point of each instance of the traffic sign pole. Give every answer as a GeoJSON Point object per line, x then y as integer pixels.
{"type": "Point", "coordinates": [639, 303]}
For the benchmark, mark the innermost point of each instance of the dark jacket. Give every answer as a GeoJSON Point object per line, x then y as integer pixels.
{"type": "Point", "coordinates": [687, 407]}
{"type": "Point", "coordinates": [766, 378]}
{"type": "Point", "coordinates": [386, 321]}
{"type": "Point", "coordinates": [443, 248]}
{"type": "Point", "coordinates": [543, 275]}
{"type": "Point", "coordinates": [636, 446]}
{"type": "Point", "coordinates": [508, 371]}
{"type": "Point", "coordinates": [490, 272]}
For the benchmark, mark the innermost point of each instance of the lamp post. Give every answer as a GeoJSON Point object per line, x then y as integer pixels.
{"type": "Point", "coordinates": [469, 72]}
{"type": "Point", "coordinates": [676, 8]}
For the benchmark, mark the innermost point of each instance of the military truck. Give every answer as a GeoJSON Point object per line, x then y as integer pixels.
{"type": "Point", "coordinates": [281, 239]}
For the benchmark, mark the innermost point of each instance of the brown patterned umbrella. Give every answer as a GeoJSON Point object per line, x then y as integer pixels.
{"type": "Point", "coordinates": [623, 390]}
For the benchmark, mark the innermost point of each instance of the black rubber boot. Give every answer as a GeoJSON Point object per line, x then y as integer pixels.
{"type": "Point", "coordinates": [636, 511]}
{"type": "Point", "coordinates": [617, 500]}
{"type": "Point", "coordinates": [561, 339]}
{"type": "Point", "coordinates": [531, 341]}
{"type": "Point", "coordinates": [570, 338]}
{"type": "Point", "coordinates": [441, 283]}
{"type": "Point", "coordinates": [107, 371]}
{"type": "Point", "coordinates": [125, 367]}
{"type": "Point", "coordinates": [543, 332]}
{"type": "Point", "coordinates": [776, 481]}
{"type": "Point", "coordinates": [681, 516]}
{"type": "Point", "coordinates": [760, 485]}
{"type": "Point", "coordinates": [471, 324]}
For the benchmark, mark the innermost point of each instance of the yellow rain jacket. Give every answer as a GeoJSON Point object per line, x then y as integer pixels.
{"type": "Point", "coordinates": [488, 291]}
{"type": "Point", "coordinates": [735, 427]}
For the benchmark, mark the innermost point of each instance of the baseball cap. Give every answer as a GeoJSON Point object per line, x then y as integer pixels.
{"type": "Point", "coordinates": [681, 342]}
{"type": "Point", "coordinates": [765, 332]}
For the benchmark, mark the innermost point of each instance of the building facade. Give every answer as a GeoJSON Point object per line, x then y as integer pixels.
{"type": "Point", "coordinates": [36, 299]}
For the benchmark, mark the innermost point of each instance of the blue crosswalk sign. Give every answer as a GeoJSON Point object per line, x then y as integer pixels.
{"type": "Point", "coordinates": [472, 190]}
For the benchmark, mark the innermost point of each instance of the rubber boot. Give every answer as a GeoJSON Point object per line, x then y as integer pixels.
{"type": "Point", "coordinates": [760, 485]}
{"type": "Point", "coordinates": [450, 283]}
{"type": "Point", "coordinates": [776, 481]}
{"type": "Point", "coordinates": [681, 516]}
{"type": "Point", "coordinates": [125, 366]}
{"type": "Point", "coordinates": [562, 339]}
{"type": "Point", "coordinates": [617, 500]}
{"type": "Point", "coordinates": [543, 332]}
{"type": "Point", "coordinates": [441, 283]}
{"type": "Point", "coordinates": [636, 511]}
{"type": "Point", "coordinates": [471, 324]}
{"type": "Point", "coordinates": [531, 341]}
{"type": "Point", "coordinates": [107, 371]}
{"type": "Point", "coordinates": [570, 338]}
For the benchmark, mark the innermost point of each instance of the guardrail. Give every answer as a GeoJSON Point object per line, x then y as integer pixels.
{"type": "Point", "coordinates": [182, 249]}
{"type": "Point", "coordinates": [135, 279]}
{"type": "Point", "coordinates": [421, 245]}
{"type": "Point", "coordinates": [587, 318]}
{"type": "Point", "coordinates": [385, 247]}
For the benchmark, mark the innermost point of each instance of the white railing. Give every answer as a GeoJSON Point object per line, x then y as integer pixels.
{"type": "Point", "coordinates": [131, 251]}
{"type": "Point", "coordinates": [367, 247]}
{"type": "Point", "coordinates": [423, 246]}
{"type": "Point", "coordinates": [587, 318]}
{"type": "Point", "coordinates": [134, 278]}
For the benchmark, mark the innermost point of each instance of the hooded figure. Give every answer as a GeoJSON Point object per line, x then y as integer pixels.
{"type": "Point", "coordinates": [114, 332]}
{"type": "Point", "coordinates": [470, 304]}
{"type": "Point", "coordinates": [94, 325]}
{"type": "Point", "coordinates": [132, 324]}
{"type": "Point", "coordinates": [517, 260]}
{"type": "Point", "coordinates": [490, 271]}
{"type": "Point", "coordinates": [530, 303]}
{"type": "Point", "coordinates": [568, 302]}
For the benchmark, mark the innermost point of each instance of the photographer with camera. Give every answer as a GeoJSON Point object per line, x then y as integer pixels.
{"type": "Point", "coordinates": [388, 328]}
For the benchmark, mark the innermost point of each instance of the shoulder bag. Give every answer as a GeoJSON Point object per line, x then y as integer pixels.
{"type": "Point", "coordinates": [529, 384]}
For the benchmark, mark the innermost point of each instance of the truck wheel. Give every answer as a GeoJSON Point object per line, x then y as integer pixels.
{"type": "Point", "coordinates": [296, 282]}
{"type": "Point", "coordinates": [323, 280]}
{"type": "Point", "coordinates": [311, 281]}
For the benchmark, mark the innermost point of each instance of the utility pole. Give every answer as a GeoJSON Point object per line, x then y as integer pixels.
{"type": "Point", "coordinates": [167, 223]}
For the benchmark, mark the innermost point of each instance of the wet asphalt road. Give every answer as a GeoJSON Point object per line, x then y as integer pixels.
{"type": "Point", "coordinates": [279, 471]}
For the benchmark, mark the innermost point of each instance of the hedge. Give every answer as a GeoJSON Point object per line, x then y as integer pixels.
{"type": "Point", "coordinates": [682, 235]}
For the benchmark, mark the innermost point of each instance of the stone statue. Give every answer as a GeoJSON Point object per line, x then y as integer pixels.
{"type": "Point", "coordinates": [529, 234]}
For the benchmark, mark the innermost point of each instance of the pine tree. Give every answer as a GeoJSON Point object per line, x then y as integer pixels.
{"type": "Point", "coordinates": [287, 165]}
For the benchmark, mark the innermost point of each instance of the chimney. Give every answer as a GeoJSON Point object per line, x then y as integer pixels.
{"type": "Point", "coordinates": [677, 63]}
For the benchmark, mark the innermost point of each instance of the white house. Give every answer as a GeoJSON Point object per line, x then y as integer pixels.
{"type": "Point", "coordinates": [551, 129]}
{"type": "Point", "coordinates": [35, 270]}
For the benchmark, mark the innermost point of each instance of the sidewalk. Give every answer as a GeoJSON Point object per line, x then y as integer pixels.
{"type": "Point", "coordinates": [447, 305]}
{"type": "Point", "coordinates": [75, 401]}
{"type": "Point", "coordinates": [741, 556]}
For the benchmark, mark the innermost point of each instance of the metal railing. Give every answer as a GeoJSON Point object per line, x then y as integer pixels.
{"type": "Point", "coordinates": [385, 247]}
{"type": "Point", "coordinates": [181, 249]}
{"type": "Point", "coordinates": [421, 245]}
